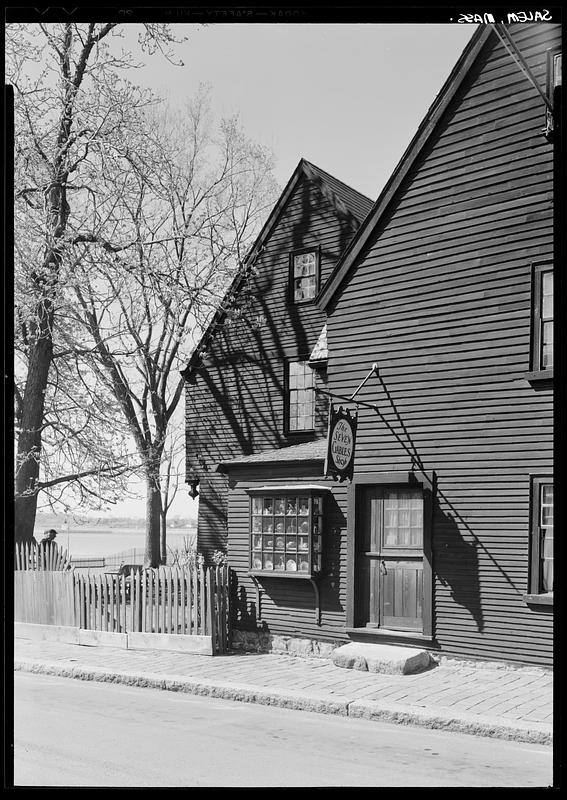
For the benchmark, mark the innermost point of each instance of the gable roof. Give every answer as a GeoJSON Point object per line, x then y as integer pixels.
{"type": "Point", "coordinates": [345, 199]}
{"type": "Point", "coordinates": [425, 130]}
{"type": "Point", "coordinates": [356, 204]}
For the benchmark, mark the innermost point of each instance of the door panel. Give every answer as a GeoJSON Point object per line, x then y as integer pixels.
{"type": "Point", "coordinates": [401, 594]}
{"type": "Point", "coordinates": [389, 560]}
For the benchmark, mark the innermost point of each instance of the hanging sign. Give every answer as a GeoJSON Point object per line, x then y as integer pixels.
{"type": "Point", "coordinates": [341, 443]}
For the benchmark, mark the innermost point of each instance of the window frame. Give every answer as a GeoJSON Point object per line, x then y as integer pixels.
{"type": "Point", "coordinates": [535, 594]}
{"type": "Point", "coordinates": [552, 118]}
{"type": "Point", "coordinates": [287, 404]}
{"type": "Point", "coordinates": [315, 538]}
{"type": "Point", "coordinates": [291, 288]}
{"type": "Point", "coordinates": [537, 370]}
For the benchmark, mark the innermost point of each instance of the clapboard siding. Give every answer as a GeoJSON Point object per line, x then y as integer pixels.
{"type": "Point", "coordinates": [440, 297]}
{"type": "Point", "coordinates": [235, 397]}
{"type": "Point", "coordinates": [288, 605]}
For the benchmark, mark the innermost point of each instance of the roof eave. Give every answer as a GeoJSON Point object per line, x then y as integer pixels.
{"type": "Point", "coordinates": [229, 466]}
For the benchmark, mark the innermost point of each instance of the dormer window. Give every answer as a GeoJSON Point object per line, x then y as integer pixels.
{"type": "Point", "coordinates": [304, 275]}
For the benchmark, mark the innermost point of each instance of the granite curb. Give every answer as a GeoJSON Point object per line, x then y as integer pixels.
{"type": "Point", "coordinates": [397, 713]}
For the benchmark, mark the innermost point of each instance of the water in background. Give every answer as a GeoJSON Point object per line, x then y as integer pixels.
{"type": "Point", "coordinates": [107, 542]}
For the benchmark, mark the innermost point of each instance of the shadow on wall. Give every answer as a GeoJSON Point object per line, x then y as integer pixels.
{"type": "Point", "coordinates": [244, 372]}
{"type": "Point", "coordinates": [456, 565]}
{"type": "Point", "coordinates": [212, 513]}
{"type": "Point", "coordinates": [456, 562]}
{"type": "Point", "coordinates": [244, 614]}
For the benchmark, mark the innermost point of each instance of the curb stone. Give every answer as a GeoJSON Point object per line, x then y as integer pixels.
{"type": "Point", "coordinates": [444, 720]}
{"type": "Point", "coordinates": [341, 706]}
{"type": "Point", "coordinates": [225, 691]}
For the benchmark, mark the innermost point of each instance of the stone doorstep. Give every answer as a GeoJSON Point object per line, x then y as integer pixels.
{"type": "Point", "coordinates": [382, 658]}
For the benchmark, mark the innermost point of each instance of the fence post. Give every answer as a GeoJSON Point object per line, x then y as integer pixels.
{"type": "Point", "coordinates": [105, 602]}
{"type": "Point", "coordinates": [176, 591]}
{"type": "Point", "coordinates": [123, 599]}
{"type": "Point", "coordinates": [77, 596]}
{"type": "Point", "coordinates": [191, 599]}
{"type": "Point", "coordinates": [143, 611]}
{"type": "Point", "coordinates": [116, 579]}
{"type": "Point", "coordinates": [210, 608]}
{"type": "Point", "coordinates": [152, 603]}
{"type": "Point", "coordinates": [217, 611]}
{"type": "Point", "coordinates": [139, 606]}
{"type": "Point", "coordinates": [182, 601]}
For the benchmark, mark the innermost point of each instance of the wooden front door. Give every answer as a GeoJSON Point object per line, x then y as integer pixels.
{"type": "Point", "coordinates": [390, 557]}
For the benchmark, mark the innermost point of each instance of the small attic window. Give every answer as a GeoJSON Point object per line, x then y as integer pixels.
{"type": "Point", "coordinates": [304, 275]}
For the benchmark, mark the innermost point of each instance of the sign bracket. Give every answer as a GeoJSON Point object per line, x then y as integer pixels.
{"type": "Point", "coordinates": [373, 371]}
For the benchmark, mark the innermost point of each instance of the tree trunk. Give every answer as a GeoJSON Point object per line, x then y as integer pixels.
{"type": "Point", "coordinates": [40, 335]}
{"type": "Point", "coordinates": [152, 555]}
{"type": "Point", "coordinates": [163, 521]}
{"type": "Point", "coordinates": [29, 438]}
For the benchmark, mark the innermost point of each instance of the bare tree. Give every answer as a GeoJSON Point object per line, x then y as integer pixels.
{"type": "Point", "coordinates": [185, 199]}
{"type": "Point", "coordinates": [71, 102]}
{"type": "Point", "coordinates": [172, 475]}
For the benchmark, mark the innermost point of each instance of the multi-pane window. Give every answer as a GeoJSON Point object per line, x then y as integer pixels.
{"type": "Point", "coordinates": [542, 346]}
{"type": "Point", "coordinates": [301, 396]}
{"type": "Point", "coordinates": [546, 537]}
{"type": "Point", "coordinates": [403, 519]}
{"type": "Point", "coordinates": [286, 533]}
{"type": "Point", "coordinates": [542, 536]}
{"type": "Point", "coordinates": [547, 319]}
{"type": "Point", "coordinates": [304, 275]}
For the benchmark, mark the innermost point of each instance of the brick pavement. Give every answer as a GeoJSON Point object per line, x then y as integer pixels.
{"type": "Point", "coordinates": [508, 703]}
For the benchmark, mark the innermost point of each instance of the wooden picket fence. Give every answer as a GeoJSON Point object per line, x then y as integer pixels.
{"type": "Point", "coordinates": [174, 600]}
{"type": "Point", "coordinates": [44, 597]}
{"type": "Point", "coordinates": [29, 556]}
{"type": "Point", "coordinates": [164, 600]}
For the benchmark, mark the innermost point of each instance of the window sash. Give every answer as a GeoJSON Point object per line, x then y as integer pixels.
{"type": "Point", "coordinates": [542, 305]}
{"type": "Point", "coordinates": [300, 396]}
{"type": "Point", "coordinates": [542, 568]}
{"type": "Point", "coordinates": [304, 275]}
{"type": "Point", "coordinates": [285, 533]}
{"type": "Point", "coordinates": [402, 520]}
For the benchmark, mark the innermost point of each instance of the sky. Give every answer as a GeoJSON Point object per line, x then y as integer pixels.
{"type": "Point", "coordinates": [347, 97]}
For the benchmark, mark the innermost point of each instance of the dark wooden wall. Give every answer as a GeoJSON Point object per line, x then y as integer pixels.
{"type": "Point", "coordinates": [441, 299]}
{"type": "Point", "coordinates": [234, 400]}
{"type": "Point", "coordinates": [288, 604]}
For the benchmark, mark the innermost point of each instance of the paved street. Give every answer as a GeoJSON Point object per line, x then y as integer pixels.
{"type": "Point", "coordinates": [75, 733]}
{"type": "Point", "coordinates": [511, 704]}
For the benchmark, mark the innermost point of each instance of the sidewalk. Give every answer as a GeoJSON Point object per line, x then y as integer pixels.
{"type": "Point", "coordinates": [503, 703]}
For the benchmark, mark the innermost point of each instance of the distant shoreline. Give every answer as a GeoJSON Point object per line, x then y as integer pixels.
{"type": "Point", "coordinates": [61, 531]}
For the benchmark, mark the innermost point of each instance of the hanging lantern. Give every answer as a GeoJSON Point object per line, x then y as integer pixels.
{"type": "Point", "coordinates": [193, 491]}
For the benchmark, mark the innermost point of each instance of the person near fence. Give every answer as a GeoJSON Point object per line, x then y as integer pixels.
{"type": "Point", "coordinates": [48, 546]}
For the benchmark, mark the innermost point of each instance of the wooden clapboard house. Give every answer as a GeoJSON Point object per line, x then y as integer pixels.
{"type": "Point", "coordinates": [250, 381]}
{"type": "Point", "coordinates": [444, 535]}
